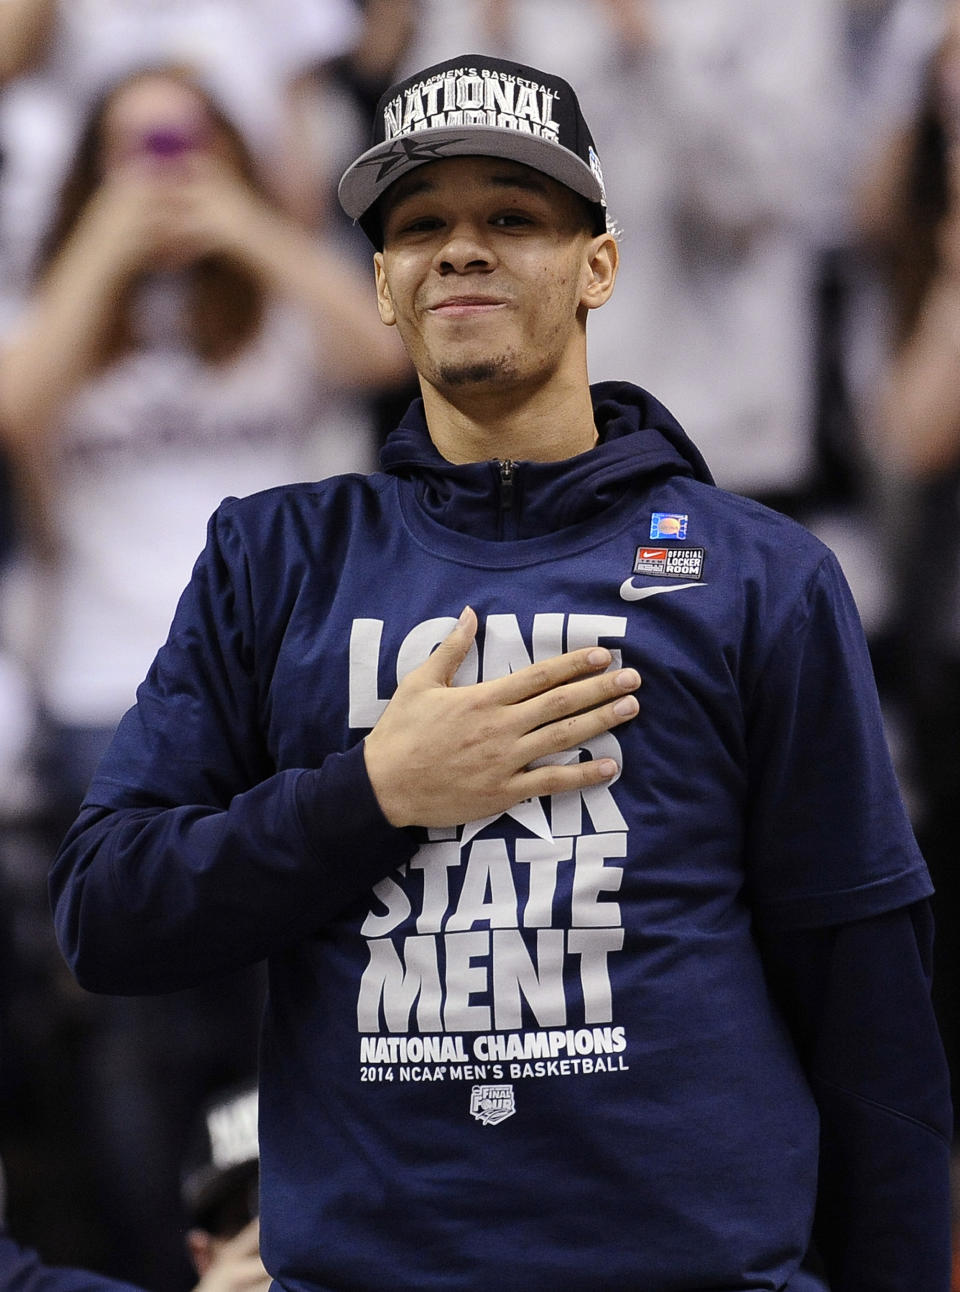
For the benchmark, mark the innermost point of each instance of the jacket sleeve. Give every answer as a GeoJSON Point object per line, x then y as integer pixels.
{"type": "Point", "coordinates": [857, 999]}
{"type": "Point", "coordinates": [192, 854]}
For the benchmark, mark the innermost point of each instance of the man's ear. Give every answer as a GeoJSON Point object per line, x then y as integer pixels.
{"type": "Point", "coordinates": [602, 256]}
{"type": "Point", "coordinates": [200, 1250]}
{"type": "Point", "coordinates": [384, 301]}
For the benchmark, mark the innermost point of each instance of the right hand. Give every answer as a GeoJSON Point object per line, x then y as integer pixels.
{"type": "Point", "coordinates": [237, 1266]}
{"type": "Point", "coordinates": [441, 755]}
{"type": "Point", "coordinates": [126, 223]}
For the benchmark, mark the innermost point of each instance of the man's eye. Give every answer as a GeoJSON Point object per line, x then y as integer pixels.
{"type": "Point", "coordinates": [511, 220]}
{"type": "Point", "coordinates": [413, 227]}
{"type": "Point", "coordinates": [422, 224]}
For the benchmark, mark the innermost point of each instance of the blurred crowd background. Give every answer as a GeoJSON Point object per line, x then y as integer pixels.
{"type": "Point", "coordinates": [185, 315]}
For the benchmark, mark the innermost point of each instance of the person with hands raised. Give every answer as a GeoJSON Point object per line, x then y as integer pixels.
{"type": "Point", "coordinates": [184, 333]}
{"type": "Point", "coordinates": [562, 983]}
{"type": "Point", "coordinates": [162, 182]}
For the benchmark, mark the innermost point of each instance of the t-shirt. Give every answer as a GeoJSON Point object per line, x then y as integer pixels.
{"type": "Point", "coordinates": [536, 1051]}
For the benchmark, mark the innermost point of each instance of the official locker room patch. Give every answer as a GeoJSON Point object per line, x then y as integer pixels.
{"type": "Point", "coordinates": [668, 524]}
{"type": "Point", "coordinates": [685, 562]}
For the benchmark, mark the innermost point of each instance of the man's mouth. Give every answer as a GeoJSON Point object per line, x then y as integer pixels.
{"type": "Point", "coordinates": [466, 306]}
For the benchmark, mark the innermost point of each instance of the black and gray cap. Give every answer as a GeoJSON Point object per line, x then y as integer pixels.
{"type": "Point", "coordinates": [475, 106]}
{"type": "Point", "coordinates": [223, 1155]}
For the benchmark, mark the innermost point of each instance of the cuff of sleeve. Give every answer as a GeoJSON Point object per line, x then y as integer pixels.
{"type": "Point", "coordinates": [344, 823]}
{"type": "Point", "coordinates": [821, 910]}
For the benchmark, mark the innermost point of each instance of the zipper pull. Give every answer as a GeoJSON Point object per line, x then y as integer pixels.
{"type": "Point", "coordinates": [507, 473]}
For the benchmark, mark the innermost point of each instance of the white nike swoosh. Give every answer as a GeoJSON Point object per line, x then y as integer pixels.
{"type": "Point", "coordinates": [631, 593]}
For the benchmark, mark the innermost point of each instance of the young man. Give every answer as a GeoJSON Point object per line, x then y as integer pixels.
{"type": "Point", "coordinates": [567, 991]}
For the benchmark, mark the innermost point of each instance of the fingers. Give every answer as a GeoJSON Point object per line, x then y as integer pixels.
{"type": "Point", "coordinates": [566, 720]}
{"type": "Point", "coordinates": [572, 715]}
{"type": "Point", "coordinates": [545, 677]}
{"type": "Point", "coordinates": [574, 732]}
{"type": "Point", "coordinates": [549, 675]}
{"type": "Point", "coordinates": [571, 698]}
{"type": "Point", "coordinates": [562, 778]}
{"type": "Point", "coordinates": [441, 666]}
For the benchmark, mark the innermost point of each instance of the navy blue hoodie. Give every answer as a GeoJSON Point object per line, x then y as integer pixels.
{"type": "Point", "coordinates": [657, 1035]}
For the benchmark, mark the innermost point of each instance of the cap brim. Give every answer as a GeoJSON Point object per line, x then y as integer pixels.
{"type": "Point", "coordinates": [375, 170]}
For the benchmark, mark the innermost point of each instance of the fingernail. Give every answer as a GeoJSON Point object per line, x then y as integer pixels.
{"type": "Point", "coordinates": [628, 679]}
{"type": "Point", "coordinates": [598, 657]}
{"type": "Point", "coordinates": [464, 615]}
{"type": "Point", "coordinates": [626, 707]}
{"type": "Point", "coordinates": [607, 767]}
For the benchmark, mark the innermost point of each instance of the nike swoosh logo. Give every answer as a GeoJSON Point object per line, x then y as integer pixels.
{"type": "Point", "coordinates": [629, 592]}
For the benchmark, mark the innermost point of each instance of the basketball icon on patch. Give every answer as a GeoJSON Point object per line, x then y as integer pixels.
{"type": "Point", "coordinates": [668, 524]}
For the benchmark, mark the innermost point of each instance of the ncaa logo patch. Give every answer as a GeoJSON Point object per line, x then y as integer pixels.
{"type": "Point", "coordinates": [670, 562]}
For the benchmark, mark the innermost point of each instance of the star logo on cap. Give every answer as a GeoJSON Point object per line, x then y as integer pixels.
{"type": "Point", "coordinates": [408, 149]}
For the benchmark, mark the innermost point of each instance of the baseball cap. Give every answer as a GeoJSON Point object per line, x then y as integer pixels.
{"type": "Point", "coordinates": [475, 106]}
{"type": "Point", "coordinates": [222, 1162]}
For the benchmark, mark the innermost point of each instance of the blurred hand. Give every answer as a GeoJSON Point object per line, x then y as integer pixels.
{"type": "Point", "coordinates": [237, 1266]}
{"type": "Point", "coordinates": [125, 225]}
{"type": "Point", "coordinates": [148, 216]}
{"type": "Point", "coordinates": [210, 210]}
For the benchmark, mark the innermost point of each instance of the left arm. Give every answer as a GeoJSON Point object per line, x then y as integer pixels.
{"type": "Point", "coordinates": [857, 999]}
{"type": "Point", "coordinates": [841, 902]}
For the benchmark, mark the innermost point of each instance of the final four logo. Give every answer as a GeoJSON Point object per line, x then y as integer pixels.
{"type": "Point", "coordinates": [492, 1104]}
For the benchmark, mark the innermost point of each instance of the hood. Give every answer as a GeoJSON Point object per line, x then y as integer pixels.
{"type": "Point", "coordinates": [640, 441]}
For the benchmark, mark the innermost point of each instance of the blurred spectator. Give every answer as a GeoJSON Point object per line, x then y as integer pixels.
{"type": "Point", "coordinates": [388, 27]}
{"type": "Point", "coordinates": [351, 87]}
{"type": "Point", "coordinates": [911, 219]}
{"type": "Point", "coordinates": [235, 1266]}
{"type": "Point", "coordinates": [185, 340]}
{"type": "Point", "coordinates": [225, 1242]}
{"type": "Point", "coordinates": [221, 1175]}
{"type": "Point", "coordinates": [885, 48]}
{"type": "Point", "coordinates": [261, 56]}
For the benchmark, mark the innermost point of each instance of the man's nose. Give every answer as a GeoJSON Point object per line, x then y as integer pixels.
{"type": "Point", "coordinates": [464, 250]}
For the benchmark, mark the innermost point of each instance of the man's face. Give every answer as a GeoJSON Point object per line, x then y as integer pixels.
{"type": "Point", "coordinates": [487, 272]}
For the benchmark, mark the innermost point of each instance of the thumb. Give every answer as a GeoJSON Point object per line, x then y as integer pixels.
{"type": "Point", "coordinates": [440, 667]}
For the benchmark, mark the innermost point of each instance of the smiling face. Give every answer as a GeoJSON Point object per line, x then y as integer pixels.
{"type": "Point", "coordinates": [488, 270]}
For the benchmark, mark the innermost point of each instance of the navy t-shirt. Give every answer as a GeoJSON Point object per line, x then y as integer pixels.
{"type": "Point", "coordinates": [537, 1051]}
